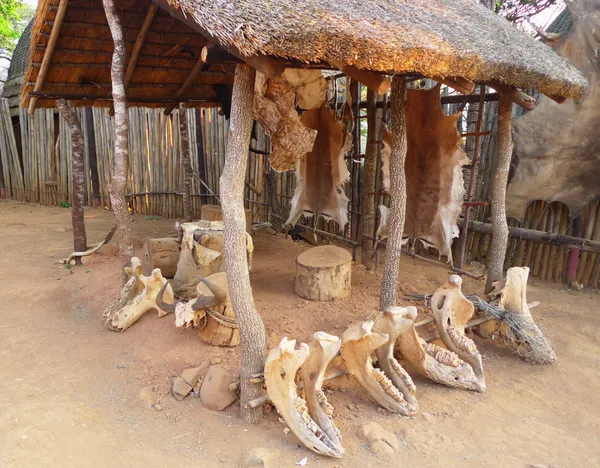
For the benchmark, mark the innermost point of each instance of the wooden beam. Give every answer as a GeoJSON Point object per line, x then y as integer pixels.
{"type": "Point", "coordinates": [39, 82]}
{"type": "Point", "coordinates": [268, 66]}
{"type": "Point", "coordinates": [454, 99]}
{"type": "Point", "coordinates": [139, 42]}
{"type": "Point", "coordinates": [514, 94]}
{"type": "Point", "coordinates": [92, 97]}
{"type": "Point", "coordinates": [462, 85]}
{"type": "Point", "coordinates": [375, 81]}
{"type": "Point", "coordinates": [190, 79]}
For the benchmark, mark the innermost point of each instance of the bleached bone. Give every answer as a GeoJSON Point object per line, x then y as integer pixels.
{"type": "Point", "coordinates": [323, 348]}
{"type": "Point", "coordinates": [452, 311]}
{"type": "Point", "coordinates": [525, 338]}
{"type": "Point", "coordinates": [281, 366]}
{"type": "Point", "coordinates": [210, 311]}
{"type": "Point", "coordinates": [434, 362]}
{"type": "Point", "coordinates": [137, 297]}
{"type": "Point", "coordinates": [392, 322]}
{"type": "Point", "coordinates": [358, 343]}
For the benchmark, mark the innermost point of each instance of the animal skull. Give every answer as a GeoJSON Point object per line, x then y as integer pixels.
{"type": "Point", "coordinates": [452, 311]}
{"type": "Point", "coordinates": [392, 322]}
{"type": "Point", "coordinates": [137, 297]}
{"type": "Point", "coordinates": [323, 349]}
{"type": "Point", "coordinates": [358, 343]}
{"type": "Point", "coordinates": [281, 366]}
{"type": "Point", "coordinates": [436, 363]}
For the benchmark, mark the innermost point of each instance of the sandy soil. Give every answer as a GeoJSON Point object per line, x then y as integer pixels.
{"type": "Point", "coordinates": [67, 383]}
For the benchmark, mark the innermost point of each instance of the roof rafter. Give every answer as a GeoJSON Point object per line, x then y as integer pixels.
{"type": "Point", "coordinates": [139, 42]}
{"type": "Point", "coordinates": [190, 79]}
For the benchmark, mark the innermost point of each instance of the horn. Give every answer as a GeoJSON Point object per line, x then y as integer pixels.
{"type": "Point", "coordinates": [170, 308]}
{"type": "Point", "coordinates": [202, 302]}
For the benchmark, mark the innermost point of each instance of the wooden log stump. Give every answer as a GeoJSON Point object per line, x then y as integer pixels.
{"type": "Point", "coordinates": [161, 253]}
{"type": "Point", "coordinates": [214, 213]}
{"type": "Point", "coordinates": [323, 273]}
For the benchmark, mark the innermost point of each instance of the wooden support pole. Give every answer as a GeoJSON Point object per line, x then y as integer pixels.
{"type": "Point", "coordinates": [376, 82]}
{"type": "Point", "coordinates": [515, 95]}
{"type": "Point", "coordinates": [252, 329]}
{"type": "Point", "coordinates": [118, 186]}
{"type": "Point", "coordinates": [69, 113]}
{"type": "Point", "coordinates": [369, 176]}
{"type": "Point", "coordinates": [190, 79]}
{"type": "Point", "coordinates": [186, 163]}
{"type": "Point", "coordinates": [500, 234]}
{"type": "Point", "coordinates": [462, 85]}
{"type": "Point", "coordinates": [397, 195]}
{"type": "Point", "coordinates": [41, 77]}
{"type": "Point", "coordinates": [139, 42]}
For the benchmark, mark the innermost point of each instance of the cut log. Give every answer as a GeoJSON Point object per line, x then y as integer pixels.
{"type": "Point", "coordinates": [323, 273]}
{"type": "Point", "coordinates": [214, 213]}
{"type": "Point", "coordinates": [161, 253]}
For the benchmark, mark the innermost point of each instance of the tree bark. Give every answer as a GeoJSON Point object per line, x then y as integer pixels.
{"type": "Point", "coordinates": [187, 164]}
{"type": "Point", "coordinates": [276, 222]}
{"type": "Point", "coordinates": [500, 235]}
{"type": "Point", "coordinates": [252, 330]}
{"type": "Point", "coordinates": [69, 113]}
{"type": "Point", "coordinates": [118, 185]}
{"type": "Point", "coordinates": [370, 174]}
{"type": "Point", "coordinates": [397, 195]}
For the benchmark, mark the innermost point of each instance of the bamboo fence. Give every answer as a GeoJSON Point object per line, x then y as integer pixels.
{"type": "Point", "coordinates": [42, 174]}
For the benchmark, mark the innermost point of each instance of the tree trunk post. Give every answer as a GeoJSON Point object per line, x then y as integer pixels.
{"type": "Point", "coordinates": [500, 227]}
{"type": "Point", "coordinates": [397, 195]}
{"type": "Point", "coordinates": [370, 174]}
{"type": "Point", "coordinates": [118, 186]}
{"type": "Point", "coordinates": [89, 122]}
{"type": "Point", "coordinates": [274, 204]}
{"type": "Point", "coordinates": [69, 113]}
{"type": "Point", "coordinates": [187, 164]}
{"type": "Point", "coordinates": [252, 330]}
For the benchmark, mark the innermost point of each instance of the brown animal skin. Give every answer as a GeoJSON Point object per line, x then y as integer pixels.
{"type": "Point", "coordinates": [557, 146]}
{"type": "Point", "coordinates": [322, 171]}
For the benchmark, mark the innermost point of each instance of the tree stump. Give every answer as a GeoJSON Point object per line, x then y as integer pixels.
{"type": "Point", "coordinates": [214, 213]}
{"type": "Point", "coordinates": [323, 273]}
{"type": "Point", "coordinates": [161, 253]}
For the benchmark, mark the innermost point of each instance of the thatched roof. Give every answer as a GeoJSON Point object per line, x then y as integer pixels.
{"type": "Point", "coordinates": [431, 37]}
{"type": "Point", "coordinates": [443, 38]}
{"type": "Point", "coordinates": [18, 66]}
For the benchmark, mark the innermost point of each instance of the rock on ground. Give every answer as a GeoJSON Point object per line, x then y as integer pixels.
{"type": "Point", "coordinates": [192, 375]}
{"type": "Point", "coordinates": [378, 438]}
{"type": "Point", "coordinates": [215, 393]}
{"type": "Point", "coordinates": [181, 388]}
{"type": "Point", "coordinates": [146, 398]}
{"type": "Point", "coordinates": [260, 458]}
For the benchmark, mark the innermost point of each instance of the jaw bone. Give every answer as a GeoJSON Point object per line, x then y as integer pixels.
{"type": "Point", "coordinates": [137, 297]}
{"type": "Point", "coordinates": [281, 366]}
{"type": "Point", "coordinates": [392, 322]}
{"type": "Point", "coordinates": [323, 349]}
{"type": "Point", "coordinates": [358, 343]}
{"type": "Point", "coordinates": [452, 311]}
{"type": "Point", "coordinates": [525, 337]}
{"type": "Point", "coordinates": [435, 362]}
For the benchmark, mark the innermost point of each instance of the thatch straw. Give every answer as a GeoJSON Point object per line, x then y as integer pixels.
{"type": "Point", "coordinates": [432, 37]}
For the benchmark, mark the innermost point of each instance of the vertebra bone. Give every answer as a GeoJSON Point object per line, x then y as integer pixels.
{"type": "Point", "coordinates": [434, 362]}
{"type": "Point", "coordinates": [452, 311]}
{"type": "Point", "coordinates": [358, 343]}
{"type": "Point", "coordinates": [323, 349]}
{"type": "Point", "coordinates": [393, 322]}
{"type": "Point", "coordinates": [281, 366]}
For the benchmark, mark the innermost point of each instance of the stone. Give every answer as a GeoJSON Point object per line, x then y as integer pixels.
{"type": "Point", "coordinates": [180, 388]}
{"type": "Point", "coordinates": [260, 458]}
{"type": "Point", "coordinates": [376, 436]}
{"type": "Point", "coordinates": [193, 374]}
{"type": "Point", "coordinates": [215, 361]}
{"type": "Point", "coordinates": [146, 398]}
{"type": "Point", "coordinates": [61, 230]}
{"type": "Point", "coordinates": [214, 393]}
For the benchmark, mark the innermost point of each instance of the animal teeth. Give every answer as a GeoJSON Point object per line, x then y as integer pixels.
{"type": "Point", "coordinates": [404, 376]}
{"type": "Point", "coordinates": [463, 342]}
{"type": "Point", "coordinates": [388, 386]}
{"type": "Point", "coordinates": [443, 356]}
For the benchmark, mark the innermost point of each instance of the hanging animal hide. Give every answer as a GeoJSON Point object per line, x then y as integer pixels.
{"type": "Point", "coordinates": [434, 181]}
{"type": "Point", "coordinates": [557, 146]}
{"type": "Point", "coordinates": [275, 102]}
{"type": "Point", "coordinates": [322, 171]}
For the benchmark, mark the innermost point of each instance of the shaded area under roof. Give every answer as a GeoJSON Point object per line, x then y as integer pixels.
{"type": "Point", "coordinates": [17, 69]}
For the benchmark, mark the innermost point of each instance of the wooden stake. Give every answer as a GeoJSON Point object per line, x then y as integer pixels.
{"type": "Point", "coordinates": [39, 82]}
{"type": "Point", "coordinates": [139, 42]}
{"type": "Point", "coordinates": [118, 187]}
{"type": "Point", "coordinates": [397, 195]}
{"type": "Point", "coordinates": [500, 234]}
{"type": "Point", "coordinates": [78, 180]}
{"type": "Point", "coordinates": [252, 329]}
{"type": "Point", "coordinates": [186, 163]}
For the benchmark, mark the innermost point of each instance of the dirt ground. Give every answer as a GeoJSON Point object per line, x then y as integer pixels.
{"type": "Point", "coordinates": [67, 383]}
